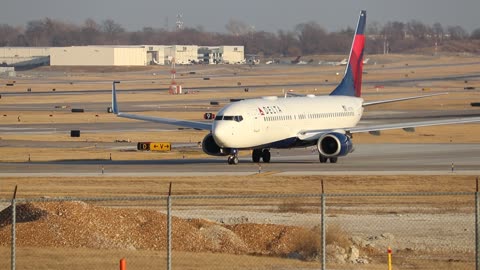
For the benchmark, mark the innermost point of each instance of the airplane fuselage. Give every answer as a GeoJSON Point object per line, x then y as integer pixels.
{"type": "Point", "coordinates": [278, 122]}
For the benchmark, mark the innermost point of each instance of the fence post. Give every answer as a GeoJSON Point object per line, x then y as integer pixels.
{"type": "Point", "coordinates": [14, 224]}
{"type": "Point", "coordinates": [477, 213]}
{"type": "Point", "coordinates": [324, 233]}
{"type": "Point", "coordinates": [123, 264]}
{"type": "Point", "coordinates": [169, 228]}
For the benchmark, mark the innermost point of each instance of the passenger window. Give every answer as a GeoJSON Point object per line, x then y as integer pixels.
{"type": "Point", "coordinates": [227, 118]}
{"type": "Point", "coordinates": [218, 117]}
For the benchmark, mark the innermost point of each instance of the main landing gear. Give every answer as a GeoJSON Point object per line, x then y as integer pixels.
{"type": "Point", "coordinates": [257, 154]}
{"type": "Point", "coordinates": [264, 154]}
{"type": "Point", "coordinates": [324, 159]}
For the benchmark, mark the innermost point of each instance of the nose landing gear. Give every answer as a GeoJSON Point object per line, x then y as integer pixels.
{"type": "Point", "coordinates": [232, 160]}
{"type": "Point", "coordinates": [233, 157]}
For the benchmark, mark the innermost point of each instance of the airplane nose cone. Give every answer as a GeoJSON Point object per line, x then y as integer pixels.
{"type": "Point", "coordinates": [220, 135]}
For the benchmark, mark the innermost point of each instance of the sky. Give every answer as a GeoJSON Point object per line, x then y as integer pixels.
{"type": "Point", "coordinates": [263, 15]}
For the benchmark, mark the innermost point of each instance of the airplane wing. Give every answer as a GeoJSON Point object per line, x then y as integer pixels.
{"type": "Point", "coordinates": [291, 94]}
{"type": "Point", "coordinates": [409, 126]}
{"type": "Point", "coordinates": [365, 104]}
{"type": "Point", "coordinates": [370, 103]}
{"type": "Point", "coordinates": [169, 121]}
{"type": "Point", "coordinates": [375, 129]}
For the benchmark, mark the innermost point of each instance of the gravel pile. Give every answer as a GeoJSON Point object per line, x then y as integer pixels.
{"type": "Point", "coordinates": [81, 225]}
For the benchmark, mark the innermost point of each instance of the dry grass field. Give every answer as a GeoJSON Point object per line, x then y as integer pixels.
{"type": "Point", "coordinates": [105, 186]}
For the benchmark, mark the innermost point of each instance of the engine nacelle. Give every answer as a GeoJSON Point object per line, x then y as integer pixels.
{"type": "Point", "coordinates": [210, 147]}
{"type": "Point", "coordinates": [334, 145]}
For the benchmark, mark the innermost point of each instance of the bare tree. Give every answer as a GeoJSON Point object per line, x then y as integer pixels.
{"type": "Point", "coordinates": [262, 42]}
{"type": "Point", "coordinates": [8, 35]}
{"type": "Point", "coordinates": [90, 32]}
{"type": "Point", "coordinates": [457, 32]}
{"type": "Point", "coordinates": [393, 31]}
{"type": "Point", "coordinates": [288, 44]}
{"type": "Point", "coordinates": [237, 28]}
{"type": "Point", "coordinates": [310, 37]}
{"type": "Point", "coordinates": [417, 30]}
{"type": "Point", "coordinates": [475, 34]}
{"type": "Point", "coordinates": [36, 33]}
{"type": "Point", "coordinates": [438, 31]}
{"type": "Point", "coordinates": [374, 28]}
{"type": "Point", "coordinates": [112, 30]}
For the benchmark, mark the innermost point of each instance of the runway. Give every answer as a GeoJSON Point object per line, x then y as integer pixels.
{"type": "Point", "coordinates": [369, 159]}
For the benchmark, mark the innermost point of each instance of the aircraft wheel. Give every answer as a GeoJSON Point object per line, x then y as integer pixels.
{"type": "Point", "coordinates": [323, 159]}
{"type": "Point", "coordinates": [266, 155]}
{"type": "Point", "coordinates": [232, 160]}
{"type": "Point", "coordinates": [333, 159]}
{"type": "Point", "coordinates": [235, 160]}
{"type": "Point", "coordinates": [256, 155]}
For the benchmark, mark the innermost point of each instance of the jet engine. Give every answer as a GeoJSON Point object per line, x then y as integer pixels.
{"type": "Point", "coordinates": [334, 145]}
{"type": "Point", "coordinates": [210, 147]}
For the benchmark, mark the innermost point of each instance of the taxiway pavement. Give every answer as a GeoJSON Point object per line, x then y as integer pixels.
{"type": "Point", "coordinates": [375, 159]}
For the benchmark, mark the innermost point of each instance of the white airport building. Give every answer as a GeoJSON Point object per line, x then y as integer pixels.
{"type": "Point", "coordinates": [98, 56]}
{"type": "Point", "coordinates": [117, 55]}
{"type": "Point", "coordinates": [222, 54]}
{"type": "Point", "coordinates": [23, 56]}
{"type": "Point", "coordinates": [183, 54]}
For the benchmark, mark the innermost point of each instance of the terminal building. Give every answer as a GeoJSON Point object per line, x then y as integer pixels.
{"type": "Point", "coordinates": [116, 55]}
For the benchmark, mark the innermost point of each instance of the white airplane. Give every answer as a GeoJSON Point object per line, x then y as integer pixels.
{"type": "Point", "coordinates": [265, 123]}
{"type": "Point", "coordinates": [344, 62]}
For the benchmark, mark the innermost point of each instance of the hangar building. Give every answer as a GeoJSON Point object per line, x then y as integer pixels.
{"type": "Point", "coordinates": [183, 54]}
{"type": "Point", "coordinates": [24, 56]}
{"type": "Point", "coordinates": [98, 56]}
{"type": "Point", "coordinates": [155, 54]}
{"type": "Point", "coordinates": [222, 54]}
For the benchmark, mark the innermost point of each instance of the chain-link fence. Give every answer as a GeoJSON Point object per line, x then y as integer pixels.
{"type": "Point", "coordinates": [302, 231]}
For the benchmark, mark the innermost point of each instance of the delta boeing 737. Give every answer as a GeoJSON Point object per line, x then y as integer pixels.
{"type": "Point", "coordinates": [326, 122]}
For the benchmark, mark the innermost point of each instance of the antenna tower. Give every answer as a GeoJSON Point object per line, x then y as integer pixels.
{"type": "Point", "coordinates": [179, 22]}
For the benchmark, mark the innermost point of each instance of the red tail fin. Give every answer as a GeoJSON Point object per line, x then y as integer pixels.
{"type": "Point", "coordinates": [351, 85]}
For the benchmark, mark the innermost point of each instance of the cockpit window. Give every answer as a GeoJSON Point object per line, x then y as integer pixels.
{"type": "Point", "coordinates": [237, 118]}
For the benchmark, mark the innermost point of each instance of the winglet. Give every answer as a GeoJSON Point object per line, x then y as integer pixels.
{"type": "Point", "coordinates": [114, 98]}
{"type": "Point", "coordinates": [351, 85]}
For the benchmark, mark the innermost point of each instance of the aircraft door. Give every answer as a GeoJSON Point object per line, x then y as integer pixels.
{"type": "Point", "coordinates": [256, 122]}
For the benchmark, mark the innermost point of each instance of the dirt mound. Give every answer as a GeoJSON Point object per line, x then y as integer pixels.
{"type": "Point", "coordinates": [25, 213]}
{"type": "Point", "coordinates": [269, 239]}
{"type": "Point", "coordinates": [77, 224]}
